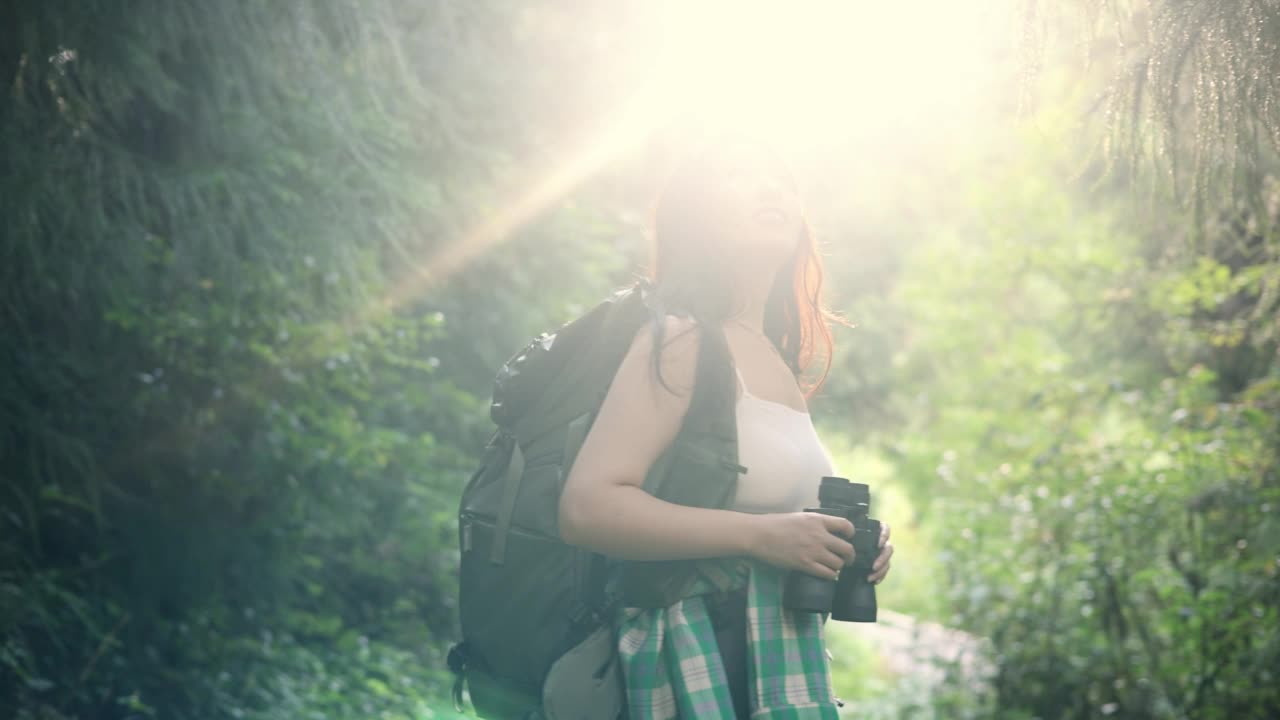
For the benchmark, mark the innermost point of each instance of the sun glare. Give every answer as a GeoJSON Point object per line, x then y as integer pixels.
{"type": "Point", "coordinates": [818, 71]}
{"type": "Point", "coordinates": [808, 75]}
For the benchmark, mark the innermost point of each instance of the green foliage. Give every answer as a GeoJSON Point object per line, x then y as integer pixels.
{"type": "Point", "coordinates": [1185, 90]}
{"type": "Point", "coordinates": [233, 428]}
{"type": "Point", "coordinates": [253, 302]}
{"type": "Point", "coordinates": [1109, 499]}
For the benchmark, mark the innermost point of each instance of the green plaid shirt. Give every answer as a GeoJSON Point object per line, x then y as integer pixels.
{"type": "Point", "coordinates": [673, 667]}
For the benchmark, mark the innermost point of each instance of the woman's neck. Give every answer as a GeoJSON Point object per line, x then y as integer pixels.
{"type": "Point", "coordinates": [751, 303]}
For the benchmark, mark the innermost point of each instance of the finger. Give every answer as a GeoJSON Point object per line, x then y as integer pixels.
{"type": "Point", "coordinates": [838, 525]}
{"type": "Point", "coordinates": [819, 570]}
{"type": "Point", "coordinates": [832, 561]}
{"type": "Point", "coordinates": [841, 547]}
{"type": "Point", "coordinates": [886, 552]}
{"type": "Point", "coordinates": [883, 558]}
{"type": "Point", "coordinates": [884, 533]}
{"type": "Point", "coordinates": [878, 575]}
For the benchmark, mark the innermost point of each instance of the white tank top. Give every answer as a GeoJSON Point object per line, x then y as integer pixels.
{"type": "Point", "coordinates": [784, 458]}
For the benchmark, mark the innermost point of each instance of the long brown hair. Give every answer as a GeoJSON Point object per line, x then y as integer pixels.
{"type": "Point", "coordinates": [687, 268]}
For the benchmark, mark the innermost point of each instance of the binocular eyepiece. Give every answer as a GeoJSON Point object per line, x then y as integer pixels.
{"type": "Point", "coordinates": [851, 597]}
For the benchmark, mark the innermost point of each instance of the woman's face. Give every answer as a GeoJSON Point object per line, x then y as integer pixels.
{"type": "Point", "coordinates": [757, 206]}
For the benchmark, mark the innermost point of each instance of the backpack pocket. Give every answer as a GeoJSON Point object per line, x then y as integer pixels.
{"type": "Point", "coordinates": [517, 617]}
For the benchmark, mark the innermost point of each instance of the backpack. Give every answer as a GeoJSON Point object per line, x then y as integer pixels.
{"type": "Point", "coordinates": [526, 597]}
{"type": "Point", "coordinates": [535, 612]}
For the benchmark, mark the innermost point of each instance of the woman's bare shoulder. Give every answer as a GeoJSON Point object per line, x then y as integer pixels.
{"type": "Point", "coordinates": [677, 361]}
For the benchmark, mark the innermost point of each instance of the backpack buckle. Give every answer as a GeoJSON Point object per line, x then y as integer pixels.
{"type": "Point", "coordinates": [457, 661]}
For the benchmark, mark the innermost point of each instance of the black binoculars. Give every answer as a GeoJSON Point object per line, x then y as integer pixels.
{"type": "Point", "coordinates": [851, 597]}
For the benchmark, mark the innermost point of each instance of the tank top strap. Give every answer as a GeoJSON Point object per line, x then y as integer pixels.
{"type": "Point", "coordinates": [742, 384]}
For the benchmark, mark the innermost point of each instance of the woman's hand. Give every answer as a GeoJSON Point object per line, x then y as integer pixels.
{"type": "Point", "coordinates": [810, 542]}
{"type": "Point", "coordinates": [880, 567]}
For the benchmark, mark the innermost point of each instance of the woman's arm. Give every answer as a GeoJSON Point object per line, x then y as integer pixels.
{"type": "Point", "coordinates": [605, 508]}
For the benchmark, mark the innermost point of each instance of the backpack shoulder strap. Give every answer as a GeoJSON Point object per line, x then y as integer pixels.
{"type": "Point", "coordinates": [700, 469]}
{"type": "Point", "coordinates": [507, 504]}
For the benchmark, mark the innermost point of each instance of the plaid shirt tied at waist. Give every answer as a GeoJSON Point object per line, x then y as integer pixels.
{"type": "Point", "coordinates": [673, 669]}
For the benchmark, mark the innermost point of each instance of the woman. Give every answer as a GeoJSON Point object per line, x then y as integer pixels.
{"type": "Point", "coordinates": [733, 253]}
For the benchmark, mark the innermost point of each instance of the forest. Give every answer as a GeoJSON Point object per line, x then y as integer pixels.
{"type": "Point", "coordinates": [260, 261]}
